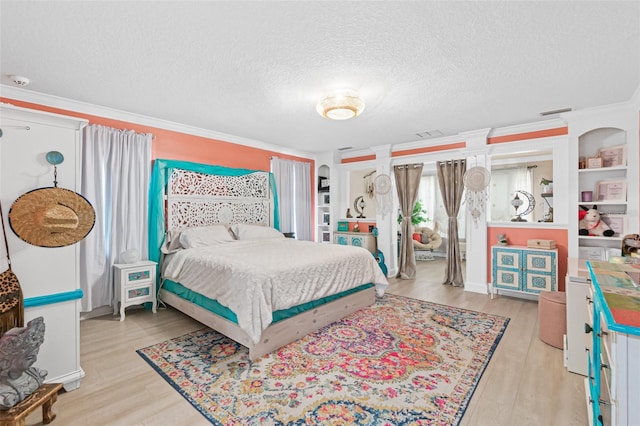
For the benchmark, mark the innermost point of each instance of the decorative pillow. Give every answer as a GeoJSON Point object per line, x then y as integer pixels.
{"type": "Point", "coordinates": [205, 236]}
{"type": "Point", "coordinates": [244, 231]}
{"type": "Point", "coordinates": [172, 242]}
{"type": "Point", "coordinates": [416, 236]}
{"type": "Point", "coordinates": [424, 239]}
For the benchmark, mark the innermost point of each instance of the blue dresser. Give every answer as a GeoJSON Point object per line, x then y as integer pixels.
{"type": "Point", "coordinates": [613, 344]}
{"type": "Point", "coordinates": [358, 239]}
{"type": "Point", "coordinates": [523, 271]}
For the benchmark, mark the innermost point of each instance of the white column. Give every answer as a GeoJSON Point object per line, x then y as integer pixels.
{"type": "Point", "coordinates": [476, 231]}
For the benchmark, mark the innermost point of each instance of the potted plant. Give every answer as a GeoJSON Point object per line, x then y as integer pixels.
{"type": "Point", "coordinates": [417, 216]}
{"type": "Point", "coordinates": [546, 186]}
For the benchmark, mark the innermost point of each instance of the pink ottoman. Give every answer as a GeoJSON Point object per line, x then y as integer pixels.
{"type": "Point", "coordinates": [552, 317]}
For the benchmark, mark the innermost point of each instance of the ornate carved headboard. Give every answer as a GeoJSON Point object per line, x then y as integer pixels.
{"type": "Point", "coordinates": [200, 199]}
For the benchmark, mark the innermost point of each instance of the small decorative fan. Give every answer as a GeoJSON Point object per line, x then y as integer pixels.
{"type": "Point", "coordinates": [382, 193]}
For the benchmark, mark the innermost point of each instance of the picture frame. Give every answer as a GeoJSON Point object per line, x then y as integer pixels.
{"type": "Point", "coordinates": [323, 184]}
{"type": "Point", "coordinates": [343, 226]}
{"type": "Point", "coordinates": [591, 253]}
{"type": "Point", "coordinates": [594, 163]}
{"type": "Point", "coordinates": [613, 156]}
{"type": "Point", "coordinates": [326, 236]}
{"type": "Point", "coordinates": [326, 218]}
{"type": "Point", "coordinates": [611, 190]}
{"type": "Point", "coordinates": [617, 222]}
{"type": "Point", "coordinates": [326, 198]}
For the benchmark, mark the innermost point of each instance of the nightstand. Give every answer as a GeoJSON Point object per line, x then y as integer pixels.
{"type": "Point", "coordinates": [134, 284]}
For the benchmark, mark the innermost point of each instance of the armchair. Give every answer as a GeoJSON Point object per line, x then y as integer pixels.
{"type": "Point", "coordinates": [426, 239]}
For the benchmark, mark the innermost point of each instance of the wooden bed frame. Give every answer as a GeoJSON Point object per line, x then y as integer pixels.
{"type": "Point", "coordinates": [281, 332]}
{"type": "Point", "coordinates": [194, 199]}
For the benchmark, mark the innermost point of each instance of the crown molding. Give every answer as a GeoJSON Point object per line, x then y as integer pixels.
{"type": "Point", "coordinates": [115, 114]}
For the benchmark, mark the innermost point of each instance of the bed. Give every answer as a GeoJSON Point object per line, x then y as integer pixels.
{"type": "Point", "coordinates": [225, 264]}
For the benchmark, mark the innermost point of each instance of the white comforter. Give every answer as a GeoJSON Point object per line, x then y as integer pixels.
{"type": "Point", "coordinates": [255, 278]}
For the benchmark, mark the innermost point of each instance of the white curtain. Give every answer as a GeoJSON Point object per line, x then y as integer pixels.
{"type": "Point", "coordinates": [116, 170]}
{"type": "Point", "coordinates": [504, 184]}
{"type": "Point", "coordinates": [293, 185]}
{"type": "Point", "coordinates": [431, 197]}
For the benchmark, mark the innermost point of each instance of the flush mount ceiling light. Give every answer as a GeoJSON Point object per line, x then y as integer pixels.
{"type": "Point", "coordinates": [340, 106]}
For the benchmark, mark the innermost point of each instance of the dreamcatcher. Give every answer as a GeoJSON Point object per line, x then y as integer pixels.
{"type": "Point", "coordinates": [368, 184]}
{"type": "Point", "coordinates": [382, 193]}
{"type": "Point", "coordinates": [476, 181]}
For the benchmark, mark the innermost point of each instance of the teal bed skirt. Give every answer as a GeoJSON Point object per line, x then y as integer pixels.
{"type": "Point", "coordinates": [220, 310]}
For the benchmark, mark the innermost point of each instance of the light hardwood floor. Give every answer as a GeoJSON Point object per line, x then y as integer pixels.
{"type": "Point", "coordinates": [524, 384]}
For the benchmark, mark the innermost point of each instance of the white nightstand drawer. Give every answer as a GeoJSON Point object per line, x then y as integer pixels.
{"type": "Point", "coordinates": [138, 275]}
{"type": "Point", "coordinates": [138, 294]}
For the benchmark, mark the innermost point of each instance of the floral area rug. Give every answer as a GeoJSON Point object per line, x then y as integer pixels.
{"type": "Point", "coordinates": [399, 361]}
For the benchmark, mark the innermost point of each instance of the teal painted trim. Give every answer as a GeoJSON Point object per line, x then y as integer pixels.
{"type": "Point", "coordinates": [50, 299]}
{"type": "Point", "coordinates": [608, 316]}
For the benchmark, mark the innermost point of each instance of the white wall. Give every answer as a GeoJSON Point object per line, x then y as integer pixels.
{"type": "Point", "coordinates": [49, 277]}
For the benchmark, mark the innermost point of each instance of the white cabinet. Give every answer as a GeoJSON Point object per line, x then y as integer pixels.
{"type": "Point", "coordinates": [578, 301]}
{"type": "Point", "coordinates": [523, 270]}
{"type": "Point", "coordinates": [134, 284]}
{"type": "Point", "coordinates": [49, 277]}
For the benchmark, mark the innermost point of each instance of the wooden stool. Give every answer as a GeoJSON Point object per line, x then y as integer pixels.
{"type": "Point", "coordinates": [46, 395]}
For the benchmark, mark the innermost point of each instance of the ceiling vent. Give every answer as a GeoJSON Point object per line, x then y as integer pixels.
{"type": "Point", "coordinates": [345, 148]}
{"type": "Point", "coordinates": [430, 134]}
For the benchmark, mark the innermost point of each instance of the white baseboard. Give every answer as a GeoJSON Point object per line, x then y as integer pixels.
{"type": "Point", "coordinates": [476, 287]}
{"type": "Point", "coordinates": [70, 381]}
{"type": "Point", "coordinates": [97, 312]}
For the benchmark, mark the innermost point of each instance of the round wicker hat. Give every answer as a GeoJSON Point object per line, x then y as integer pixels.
{"type": "Point", "coordinates": [51, 217]}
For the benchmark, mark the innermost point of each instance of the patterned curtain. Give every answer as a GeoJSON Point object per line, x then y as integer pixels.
{"type": "Point", "coordinates": [450, 177]}
{"type": "Point", "coordinates": [407, 184]}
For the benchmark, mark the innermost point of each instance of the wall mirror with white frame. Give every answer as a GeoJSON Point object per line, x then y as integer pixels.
{"type": "Point", "coordinates": [522, 179]}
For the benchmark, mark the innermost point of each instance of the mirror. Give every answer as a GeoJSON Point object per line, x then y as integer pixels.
{"type": "Point", "coordinates": [521, 188]}
{"type": "Point", "coordinates": [361, 202]}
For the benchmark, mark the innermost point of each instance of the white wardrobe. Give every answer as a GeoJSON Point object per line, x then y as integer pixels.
{"type": "Point", "coordinates": [49, 277]}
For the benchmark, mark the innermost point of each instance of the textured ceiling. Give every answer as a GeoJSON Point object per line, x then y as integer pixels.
{"type": "Point", "coordinates": [257, 69]}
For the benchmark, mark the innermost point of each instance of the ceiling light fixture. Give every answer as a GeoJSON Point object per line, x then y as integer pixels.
{"type": "Point", "coordinates": [340, 106]}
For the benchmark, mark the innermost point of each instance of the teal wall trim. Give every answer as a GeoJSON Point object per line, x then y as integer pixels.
{"type": "Point", "coordinates": [49, 299]}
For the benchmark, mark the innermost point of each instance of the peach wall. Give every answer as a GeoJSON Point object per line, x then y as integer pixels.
{"type": "Point", "coordinates": [528, 135]}
{"type": "Point", "coordinates": [358, 159]}
{"type": "Point", "coordinates": [173, 145]}
{"type": "Point", "coordinates": [519, 237]}
{"type": "Point", "coordinates": [457, 145]}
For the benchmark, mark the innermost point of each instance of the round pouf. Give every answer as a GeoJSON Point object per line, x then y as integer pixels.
{"type": "Point", "coordinates": [552, 317]}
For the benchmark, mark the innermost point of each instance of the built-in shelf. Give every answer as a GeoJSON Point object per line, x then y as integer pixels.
{"type": "Point", "coordinates": [603, 169]}
{"type": "Point", "coordinates": [595, 237]}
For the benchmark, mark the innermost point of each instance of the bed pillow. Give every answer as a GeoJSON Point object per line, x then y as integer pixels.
{"type": "Point", "coordinates": [171, 242]}
{"type": "Point", "coordinates": [205, 236]}
{"type": "Point", "coordinates": [245, 232]}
